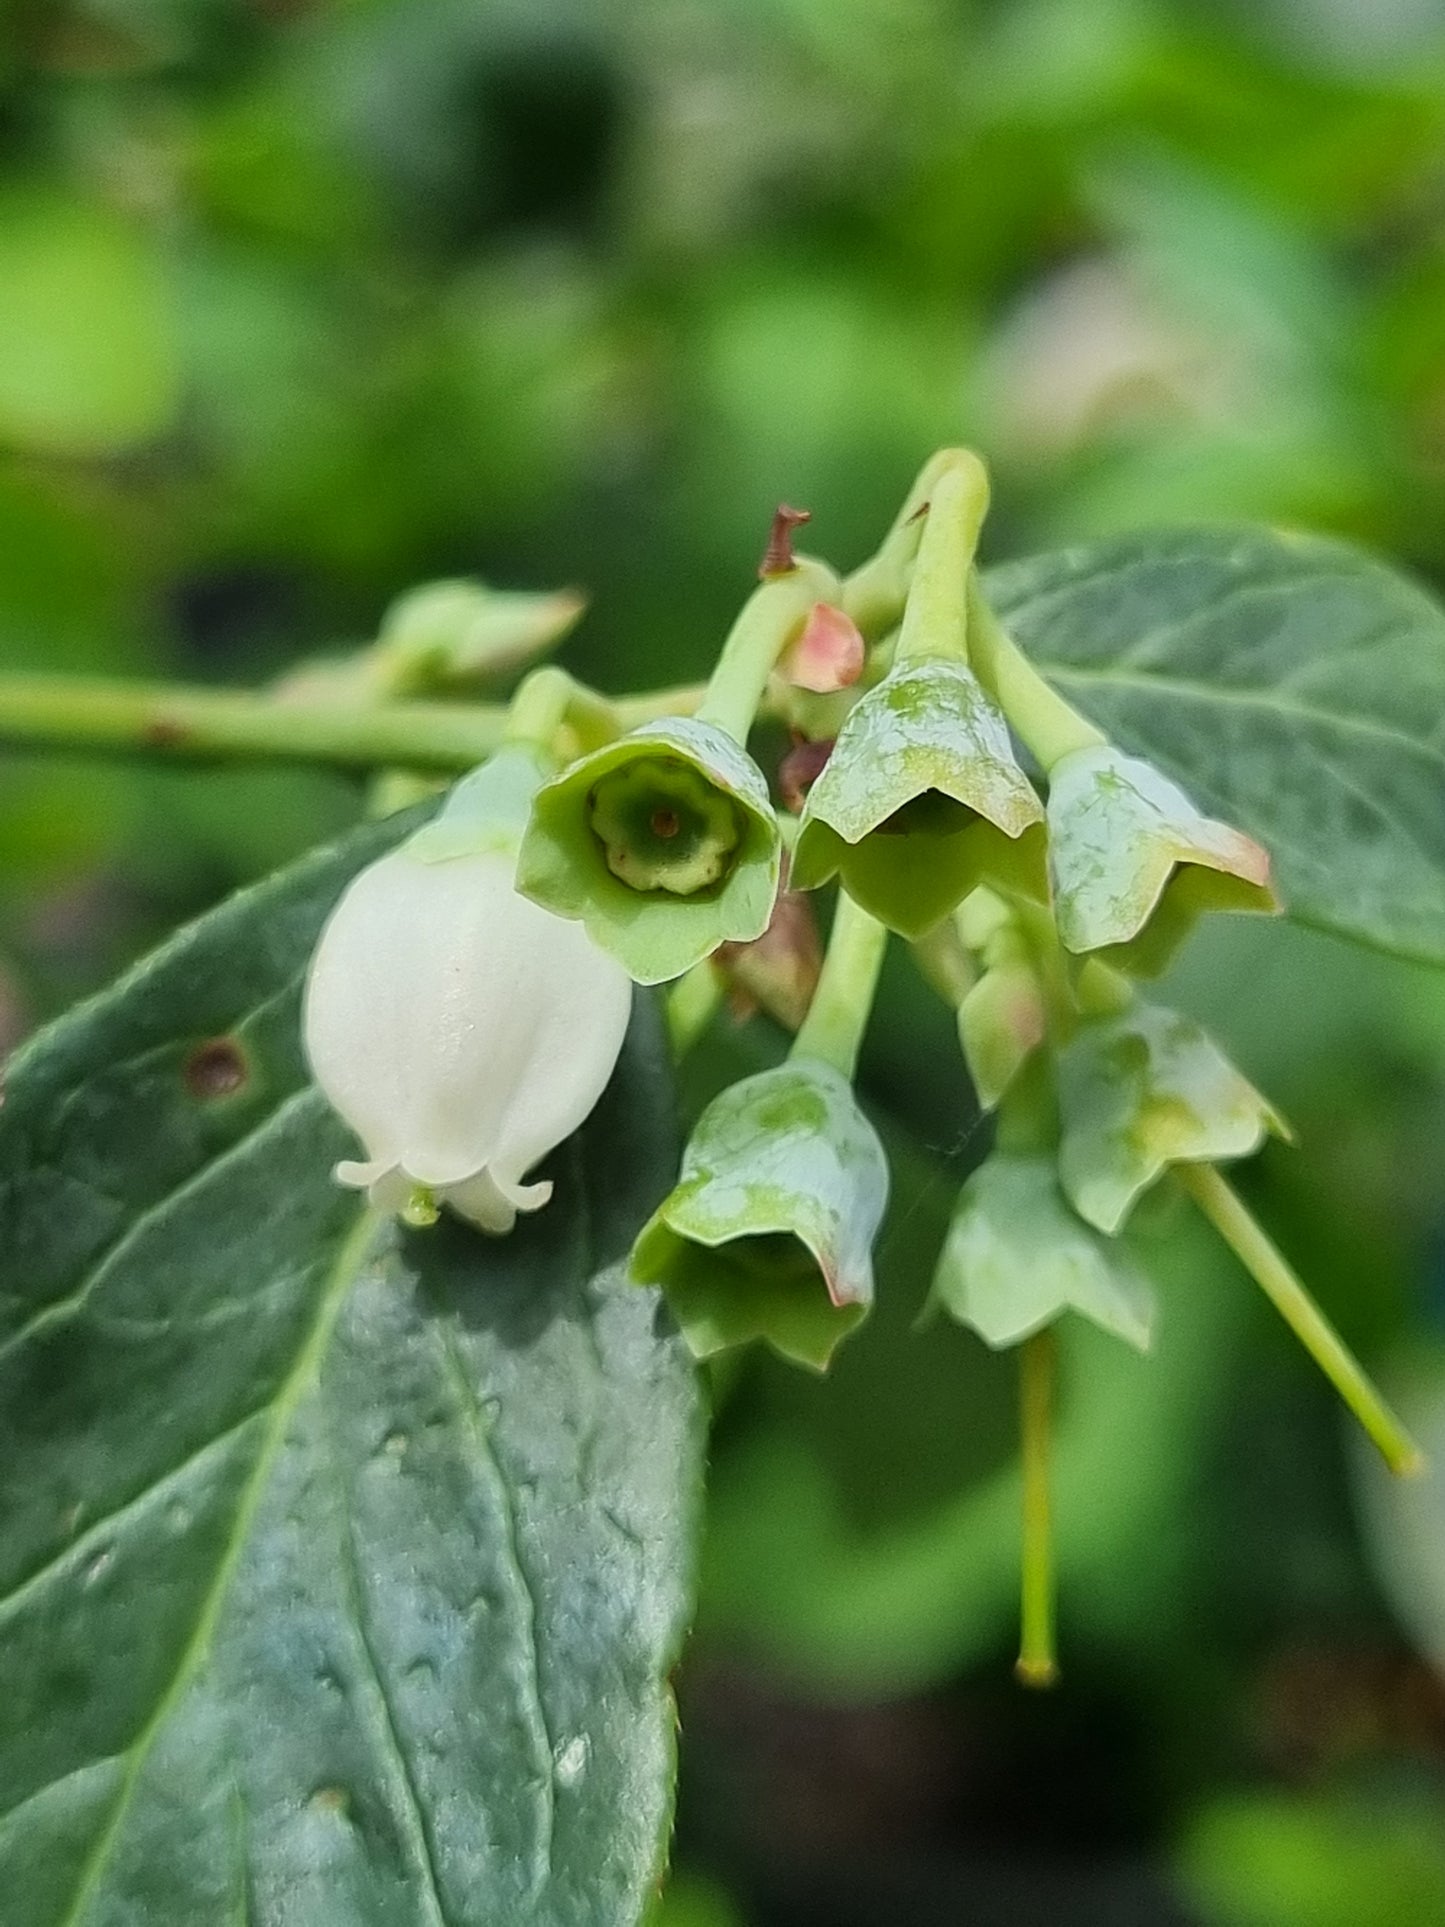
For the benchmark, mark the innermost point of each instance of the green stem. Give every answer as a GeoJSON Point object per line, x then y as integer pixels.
{"type": "Point", "coordinates": [767, 622]}
{"type": "Point", "coordinates": [177, 723]}
{"type": "Point", "coordinates": [55, 713]}
{"type": "Point", "coordinates": [1037, 1662]}
{"type": "Point", "coordinates": [1047, 724]}
{"type": "Point", "coordinates": [1224, 1210]}
{"type": "Point", "coordinates": [935, 617]}
{"type": "Point", "coordinates": [838, 1015]}
{"type": "Point", "coordinates": [874, 594]}
{"type": "Point", "coordinates": [682, 699]}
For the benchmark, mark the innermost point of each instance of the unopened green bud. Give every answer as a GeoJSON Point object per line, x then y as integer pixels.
{"type": "Point", "coordinates": [460, 634]}
{"type": "Point", "coordinates": [1134, 863]}
{"type": "Point", "coordinates": [921, 800]}
{"type": "Point", "coordinates": [769, 1231]}
{"type": "Point", "coordinates": [664, 844]}
{"type": "Point", "coordinates": [1016, 1258]}
{"type": "Point", "coordinates": [1139, 1090]}
{"type": "Point", "coordinates": [1002, 1016]}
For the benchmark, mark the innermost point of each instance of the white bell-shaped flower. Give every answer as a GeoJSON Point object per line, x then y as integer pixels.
{"type": "Point", "coordinates": [461, 1031]}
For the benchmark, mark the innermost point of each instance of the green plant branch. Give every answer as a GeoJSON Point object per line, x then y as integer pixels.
{"type": "Point", "coordinates": [174, 722]}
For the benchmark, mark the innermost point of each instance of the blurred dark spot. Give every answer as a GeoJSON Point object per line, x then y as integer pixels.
{"type": "Point", "coordinates": [233, 612]}
{"type": "Point", "coordinates": [216, 1068]}
{"type": "Point", "coordinates": [1327, 1706]}
{"type": "Point", "coordinates": [163, 732]}
{"type": "Point", "coordinates": [544, 122]}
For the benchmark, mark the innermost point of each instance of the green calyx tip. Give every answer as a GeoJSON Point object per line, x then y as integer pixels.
{"type": "Point", "coordinates": [662, 826]}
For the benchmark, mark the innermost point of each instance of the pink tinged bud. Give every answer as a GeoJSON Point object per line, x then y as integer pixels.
{"type": "Point", "coordinates": [461, 1031]}
{"type": "Point", "coordinates": [828, 653]}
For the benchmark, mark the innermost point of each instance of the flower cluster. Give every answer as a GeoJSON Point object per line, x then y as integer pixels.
{"type": "Point", "coordinates": [470, 994]}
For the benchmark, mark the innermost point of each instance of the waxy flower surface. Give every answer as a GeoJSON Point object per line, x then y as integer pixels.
{"type": "Point", "coordinates": [461, 1031]}
{"type": "Point", "coordinates": [1141, 1089]}
{"type": "Point", "coordinates": [769, 1231]}
{"type": "Point", "coordinates": [1016, 1258]}
{"type": "Point", "coordinates": [921, 800]}
{"type": "Point", "coordinates": [1134, 863]}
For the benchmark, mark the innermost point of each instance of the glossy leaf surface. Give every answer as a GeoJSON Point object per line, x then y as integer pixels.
{"type": "Point", "coordinates": [343, 1566]}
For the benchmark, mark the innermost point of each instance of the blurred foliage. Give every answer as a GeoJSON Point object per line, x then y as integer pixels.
{"type": "Point", "coordinates": [303, 301]}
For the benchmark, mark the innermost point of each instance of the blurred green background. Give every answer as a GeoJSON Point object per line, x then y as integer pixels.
{"type": "Point", "coordinates": [301, 303]}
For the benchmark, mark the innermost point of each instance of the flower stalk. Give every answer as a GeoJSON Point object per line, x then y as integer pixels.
{"type": "Point", "coordinates": [935, 617]}
{"type": "Point", "coordinates": [1048, 726]}
{"type": "Point", "coordinates": [767, 623]}
{"type": "Point", "coordinates": [1266, 1264]}
{"type": "Point", "coordinates": [1037, 1662]}
{"type": "Point", "coordinates": [838, 1015]}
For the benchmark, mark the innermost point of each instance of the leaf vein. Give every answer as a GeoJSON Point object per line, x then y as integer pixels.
{"type": "Point", "coordinates": [58, 1311]}
{"type": "Point", "coordinates": [197, 1648]}
{"type": "Point", "coordinates": [536, 1715]}
{"type": "Point", "coordinates": [423, 1851]}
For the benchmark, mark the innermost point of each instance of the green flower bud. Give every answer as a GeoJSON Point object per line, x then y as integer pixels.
{"type": "Point", "coordinates": [921, 800]}
{"type": "Point", "coordinates": [1001, 1023]}
{"type": "Point", "coordinates": [769, 1231]}
{"type": "Point", "coordinates": [664, 844]}
{"type": "Point", "coordinates": [457, 634]}
{"type": "Point", "coordinates": [1134, 863]}
{"type": "Point", "coordinates": [1002, 1017]}
{"type": "Point", "coordinates": [1139, 1090]}
{"type": "Point", "coordinates": [1016, 1257]}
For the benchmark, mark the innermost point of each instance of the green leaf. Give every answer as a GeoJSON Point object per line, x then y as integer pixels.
{"type": "Point", "coordinates": [1295, 687]}
{"type": "Point", "coordinates": [342, 1566]}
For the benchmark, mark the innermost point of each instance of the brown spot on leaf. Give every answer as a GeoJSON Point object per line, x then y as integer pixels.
{"type": "Point", "coordinates": [216, 1068]}
{"type": "Point", "coordinates": [163, 732]}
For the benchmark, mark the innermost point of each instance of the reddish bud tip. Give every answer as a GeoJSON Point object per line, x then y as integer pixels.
{"type": "Point", "coordinates": [828, 654]}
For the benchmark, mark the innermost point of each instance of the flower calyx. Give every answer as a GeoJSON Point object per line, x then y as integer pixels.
{"type": "Point", "coordinates": [664, 844]}
{"type": "Point", "coordinates": [1134, 863]}
{"type": "Point", "coordinates": [921, 800]}
{"type": "Point", "coordinates": [1016, 1257]}
{"type": "Point", "coordinates": [1142, 1088]}
{"type": "Point", "coordinates": [769, 1230]}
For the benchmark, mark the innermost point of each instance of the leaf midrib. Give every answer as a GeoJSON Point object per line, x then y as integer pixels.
{"type": "Point", "coordinates": [298, 1381]}
{"type": "Point", "coordinates": [1244, 699]}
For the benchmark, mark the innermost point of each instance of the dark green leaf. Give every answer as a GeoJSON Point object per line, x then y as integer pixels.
{"type": "Point", "coordinates": [341, 1568]}
{"type": "Point", "coordinates": [1295, 687]}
